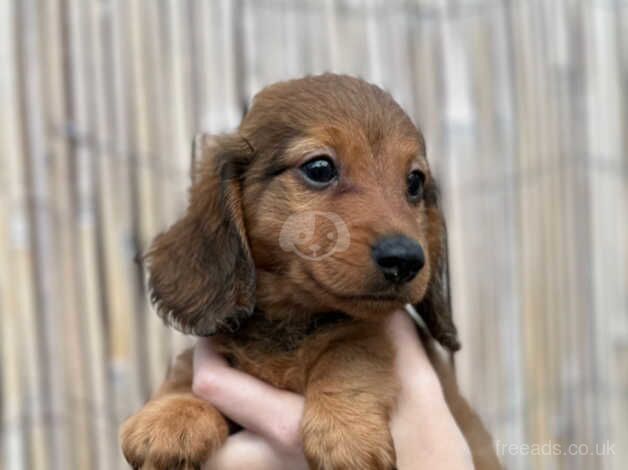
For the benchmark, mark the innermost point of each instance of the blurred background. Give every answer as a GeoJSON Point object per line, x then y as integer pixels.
{"type": "Point", "coordinates": [524, 104]}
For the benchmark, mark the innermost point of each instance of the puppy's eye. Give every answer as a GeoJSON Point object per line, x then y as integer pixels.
{"type": "Point", "coordinates": [320, 171]}
{"type": "Point", "coordinates": [415, 185]}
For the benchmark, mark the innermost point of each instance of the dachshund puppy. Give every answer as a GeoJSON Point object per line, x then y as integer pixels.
{"type": "Point", "coordinates": [305, 228]}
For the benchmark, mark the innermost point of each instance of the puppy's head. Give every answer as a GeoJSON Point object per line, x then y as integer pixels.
{"type": "Point", "coordinates": [323, 200]}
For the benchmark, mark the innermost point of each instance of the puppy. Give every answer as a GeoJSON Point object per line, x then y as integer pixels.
{"type": "Point", "coordinates": [305, 228]}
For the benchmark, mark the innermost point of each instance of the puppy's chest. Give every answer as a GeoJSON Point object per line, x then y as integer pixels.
{"type": "Point", "coordinates": [282, 353]}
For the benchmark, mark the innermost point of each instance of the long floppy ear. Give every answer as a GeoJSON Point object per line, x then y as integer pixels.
{"type": "Point", "coordinates": [435, 308]}
{"type": "Point", "coordinates": [201, 274]}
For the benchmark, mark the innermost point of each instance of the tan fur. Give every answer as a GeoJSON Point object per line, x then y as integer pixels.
{"type": "Point", "coordinates": [221, 270]}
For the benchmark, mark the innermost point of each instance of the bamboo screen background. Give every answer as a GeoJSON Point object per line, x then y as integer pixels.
{"type": "Point", "coordinates": [524, 104]}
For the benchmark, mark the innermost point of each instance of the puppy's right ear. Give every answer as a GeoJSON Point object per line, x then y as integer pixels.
{"type": "Point", "coordinates": [201, 274]}
{"type": "Point", "coordinates": [435, 308]}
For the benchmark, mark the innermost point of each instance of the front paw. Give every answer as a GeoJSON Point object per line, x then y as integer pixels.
{"type": "Point", "coordinates": [173, 432]}
{"type": "Point", "coordinates": [337, 438]}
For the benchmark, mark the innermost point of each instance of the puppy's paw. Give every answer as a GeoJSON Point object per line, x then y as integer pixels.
{"type": "Point", "coordinates": [173, 432]}
{"type": "Point", "coordinates": [334, 442]}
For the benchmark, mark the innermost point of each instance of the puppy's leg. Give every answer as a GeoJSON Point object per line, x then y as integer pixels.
{"type": "Point", "coordinates": [348, 400]}
{"type": "Point", "coordinates": [175, 429]}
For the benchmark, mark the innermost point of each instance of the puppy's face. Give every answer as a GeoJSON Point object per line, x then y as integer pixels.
{"type": "Point", "coordinates": [339, 202]}
{"type": "Point", "coordinates": [323, 200]}
{"type": "Point", "coordinates": [341, 221]}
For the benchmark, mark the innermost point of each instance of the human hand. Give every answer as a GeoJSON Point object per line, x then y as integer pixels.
{"type": "Point", "coordinates": [424, 432]}
{"type": "Point", "coordinates": [271, 417]}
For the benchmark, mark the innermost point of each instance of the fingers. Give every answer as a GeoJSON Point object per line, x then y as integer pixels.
{"type": "Point", "coordinates": [413, 367]}
{"type": "Point", "coordinates": [421, 406]}
{"type": "Point", "coordinates": [246, 450]}
{"type": "Point", "coordinates": [401, 326]}
{"type": "Point", "coordinates": [269, 412]}
{"type": "Point", "coordinates": [410, 351]}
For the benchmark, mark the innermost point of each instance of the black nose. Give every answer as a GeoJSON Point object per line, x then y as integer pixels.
{"type": "Point", "coordinates": [399, 258]}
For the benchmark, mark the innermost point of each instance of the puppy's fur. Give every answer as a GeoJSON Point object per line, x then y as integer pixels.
{"type": "Point", "coordinates": [310, 324]}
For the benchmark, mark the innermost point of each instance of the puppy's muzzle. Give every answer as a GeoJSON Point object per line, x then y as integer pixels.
{"type": "Point", "coordinates": [399, 258]}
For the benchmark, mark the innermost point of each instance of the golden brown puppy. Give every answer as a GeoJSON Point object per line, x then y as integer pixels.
{"type": "Point", "coordinates": [305, 228]}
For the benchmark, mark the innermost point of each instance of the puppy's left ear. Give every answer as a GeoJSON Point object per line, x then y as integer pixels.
{"type": "Point", "coordinates": [201, 273]}
{"type": "Point", "coordinates": [435, 308]}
